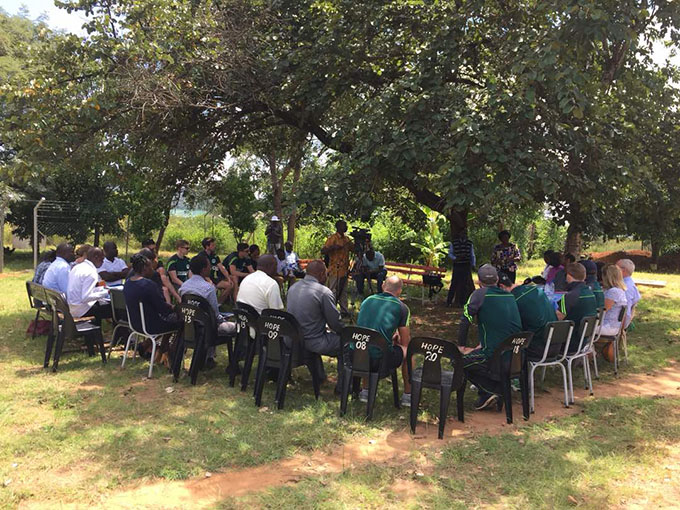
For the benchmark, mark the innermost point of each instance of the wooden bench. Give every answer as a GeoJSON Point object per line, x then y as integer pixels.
{"type": "Point", "coordinates": [650, 283]}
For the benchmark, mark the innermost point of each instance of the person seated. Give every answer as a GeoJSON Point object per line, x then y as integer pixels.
{"type": "Point", "coordinates": [238, 262]}
{"type": "Point", "coordinates": [199, 284]}
{"type": "Point", "coordinates": [372, 268]}
{"type": "Point", "coordinates": [45, 261]}
{"type": "Point", "coordinates": [497, 318]}
{"type": "Point", "coordinates": [386, 313]}
{"type": "Point", "coordinates": [159, 276]}
{"type": "Point", "coordinates": [560, 279]}
{"type": "Point", "coordinates": [591, 281]}
{"type": "Point", "coordinates": [293, 261]}
{"type": "Point", "coordinates": [547, 258]}
{"type": "Point", "coordinates": [56, 276]}
{"type": "Point", "coordinates": [282, 271]}
{"type": "Point", "coordinates": [178, 265]}
{"type": "Point", "coordinates": [159, 315]}
{"type": "Point", "coordinates": [627, 268]}
{"type": "Point", "coordinates": [259, 289]}
{"type": "Point", "coordinates": [87, 295]}
{"type": "Point", "coordinates": [578, 303]}
{"type": "Point", "coordinates": [113, 269]}
{"type": "Point", "coordinates": [81, 254]}
{"type": "Point", "coordinates": [226, 284]}
{"type": "Point", "coordinates": [253, 255]}
{"type": "Point", "coordinates": [614, 299]}
{"type": "Point", "coordinates": [535, 311]}
{"type": "Point", "coordinates": [313, 305]}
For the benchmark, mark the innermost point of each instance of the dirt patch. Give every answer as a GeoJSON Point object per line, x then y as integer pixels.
{"type": "Point", "coordinates": [390, 446]}
{"type": "Point", "coordinates": [641, 258]}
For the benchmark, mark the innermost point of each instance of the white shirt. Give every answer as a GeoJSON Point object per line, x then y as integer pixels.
{"type": "Point", "coordinates": [56, 276]}
{"type": "Point", "coordinates": [116, 266]}
{"type": "Point", "coordinates": [83, 292]}
{"type": "Point", "coordinates": [260, 291]}
{"type": "Point", "coordinates": [282, 267]}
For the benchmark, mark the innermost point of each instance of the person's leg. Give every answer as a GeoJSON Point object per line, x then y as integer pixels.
{"type": "Point", "coordinates": [404, 368]}
{"type": "Point", "coordinates": [477, 372]}
{"type": "Point", "coordinates": [342, 294]}
{"type": "Point", "coordinates": [359, 279]}
{"type": "Point", "coordinates": [100, 311]}
{"type": "Point", "coordinates": [381, 279]}
{"type": "Point", "coordinates": [326, 345]}
{"type": "Point", "coordinates": [225, 287]}
{"type": "Point", "coordinates": [452, 288]}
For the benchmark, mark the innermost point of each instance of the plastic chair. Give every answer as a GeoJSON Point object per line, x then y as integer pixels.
{"type": "Point", "coordinates": [587, 332]}
{"type": "Point", "coordinates": [431, 375]}
{"type": "Point", "coordinates": [600, 318]}
{"type": "Point", "coordinates": [282, 347]}
{"type": "Point", "coordinates": [38, 301]}
{"type": "Point", "coordinates": [64, 327]}
{"type": "Point", "coordinates": [559, 334]}
{"type": "Point", "coordinates": [509, 362]}
{"type": "Point", "coordinates": [193, 335]}
{"type": "Point", "coordinates": [358, 364]}
{"type": "Point", "coordinates": [246, 340]}
{"type": "Point", "coordinates": [118, 316]}
{"type": "Point", "coordinates": [141, 331]}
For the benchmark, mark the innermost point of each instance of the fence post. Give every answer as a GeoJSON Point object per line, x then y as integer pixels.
{"type": "Point", "coordinates": [36, 234]}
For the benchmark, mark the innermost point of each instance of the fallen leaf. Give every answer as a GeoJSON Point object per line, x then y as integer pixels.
{"type": "Point", "coordinates": [572, 500]}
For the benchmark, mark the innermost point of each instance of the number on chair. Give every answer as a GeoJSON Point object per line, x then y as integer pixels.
{"type": "Point", "coordinates": [431, 356]}
{"type": "Point", "coordinates": [361, 345]}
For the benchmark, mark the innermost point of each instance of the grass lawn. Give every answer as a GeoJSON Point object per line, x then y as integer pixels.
{"type": "Point", "coordinates": [91, 429]}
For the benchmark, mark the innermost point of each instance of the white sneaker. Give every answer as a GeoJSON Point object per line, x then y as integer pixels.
{"type": "Point", "coordinates": [406, 399]}
{"type": "Point", "coordinates": [473, 387]}
{"type": "Point", "coordinates": [363, 395]}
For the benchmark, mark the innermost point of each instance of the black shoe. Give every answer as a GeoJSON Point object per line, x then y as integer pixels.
{"type": "Point", "coordinates": [210, 363]}
{"type": "Point", "coordinates": [485, 401]}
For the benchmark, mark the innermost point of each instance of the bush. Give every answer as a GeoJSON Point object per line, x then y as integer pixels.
{"type": "Point", "coordinates": [194, 229]}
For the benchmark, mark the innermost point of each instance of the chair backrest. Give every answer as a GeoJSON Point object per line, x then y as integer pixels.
{"type": "Point", "coordinates": [118, 310]}
{"type": "Point", "coordinates": [433, 350]}
{"type": "Point", "coordinates": [36, 294]}
{"type": "Point", "coordinates": [279, 329]}
{"type": "Point", "coordinates": [195, 322]}
{"type": "Point", "coordinates": [587, 333]}
{"type": "Point", "coordinates": [60, 307]}
{"type": "Point", "coordinates": [558, 333]}
{"type": "Point", "coordinates": [622, 320]}
{"type": "Point", "coordinates": [508, 355]}
{"type": "Point", "coordinates": [209, 314]}
{"type": "Point", "coordinates": [357, 341]}
{"type": "Point", "coordinates": [246, 322]}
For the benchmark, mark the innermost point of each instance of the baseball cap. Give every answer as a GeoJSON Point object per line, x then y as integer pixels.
{"type": "Point", "coordinates": [488, 274]}
{"type": "Point", "coordinates": [275, 218]}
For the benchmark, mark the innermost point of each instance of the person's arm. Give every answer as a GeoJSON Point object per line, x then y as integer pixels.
{"type": "Point", "coordinates": [516, 255]}
{"type": "Point", "coordinates": [172, 273]}
{"type": "Point", "coordinates": [495, 259]}
{"type": "Point", "coordinates": [470, 311]}
{"type": "Point", "coordinates": [608, 303]}
{"type": "Point", "coordinates": [90, 290]}
{"type": "Point", "coordinates": [274, 297]}
{"type": "Point", "coordinates": [169, 286]}
{"type": "Point", "coordinates": [473, 258]}
{"type": "Point", "coordinates": [236, 272]}
{"type": "Point", "coordinates": [451, 255]}
{"type": "Point", "coordinates": [330, 246]}
{"type": "Point", "coordinates": [160, 299]}
{"type": "Point", "coordinates": [330, 311]}
{"type": "Point", "coordinates": [221, 269]}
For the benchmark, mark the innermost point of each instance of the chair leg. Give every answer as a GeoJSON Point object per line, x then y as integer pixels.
{"type": "Point", "coordinates": [532, 369]}
{"type": "Point", "coordinates": [507, 398]}
{"type": "Point", "coordinates": [178, 359]}
{"type": "Point", "coordinates": [102, 349]}
{"type": "Point", "coordinates": [616, 357]}
{"type": "Point", "coordinates": [196, 365]}
{"type": "Point", "coordinates": [57, 351]}
{"type": "Point", "coordinates": [543, 375]}
{"type": "Point", "coordinates": [35, 323]}
{"type": "Point", "coordinates": [597, 374]}
{"type": "Point", "coordinates": [232, 366]}
{"type": "Point", "coordinates": [570, 377]}
{"type": "Point", "coordinates": [372, 392]}
{"type": "Point", "coordinates": [460, 402]}
{"type": "Point", "coordinates": [259, 376]}
{"type": "Point", "coordinates": [114, 342]}
{"type": "Point", "coordinates": [416, 389]}
{"type": "Point", "coordinates": [282, 383]}
{"type": "Point", "coordinates": [153, 356]}
{"type": "Point", "coordinates": [127, 347]}
{"type": "Point", "coordinates": [624, 344]}
{"type": "Point", "coordinates": [248, 363]}
{"type": "Point", "coordinates": [565, 383]}
{"type": "Point", "coordinates": [89, 344]}
{"type": "Point", "coordinates": [589, 380]}
{"type": "Point", "coordinates": [524, 391]}
{"type": "Point", "coordinates": [444, 398]}
{"type": "Point", "coordinates": [314, 371]}
{"type": "Point", "coordinates": [48, 349]}
{"type": "Point", "coordinates": [346, 382]}
{"type": "Point", "coordinates": [395, 389]}
{"type": "Point", "coordinates": [585, 372]}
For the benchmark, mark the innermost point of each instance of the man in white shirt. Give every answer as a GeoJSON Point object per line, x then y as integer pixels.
{"type": "Point", "coordinates": [113, 269]}
{"type": "Point", "coordinates": [259, 289]}
{"type": "Point", "coordinates": [85, 296]}
{"type": "Point", "coordinates": [627, 268]}
{"type": "Point", "coordinates": [56, 276]}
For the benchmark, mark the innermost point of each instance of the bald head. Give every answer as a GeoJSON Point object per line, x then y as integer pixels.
{"type": "Point", "coordinates": [317, 269]}
{"type": "Point", "coordinates": [65, 251]}
{"type": "Point", "coordinates": [393, 285]}
{"type": "Point", "coordinates": [267, 264]}
{"type": "Point", "coordinates": [96, 256]}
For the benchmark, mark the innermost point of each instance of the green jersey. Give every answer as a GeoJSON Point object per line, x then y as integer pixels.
{"type": "Point", "coordinates": [180, 266]}
{"type": "Point", "coordinates": [598, 292]}
{"type": "Point", "coordinates": [578, 303]}
{"type": "Point", "coordinates": [384, 313]}
{"type": "Point", "coordinates": [535, 310]}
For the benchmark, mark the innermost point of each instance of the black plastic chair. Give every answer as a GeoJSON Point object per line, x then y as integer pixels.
{"type": "Point", "coordinates": [282, 348]}
{"type": "Point", "coordinates": [118, 317]}
{"type": "Point", "coordinates": [357, 363]}
{"type": "Point", "coordinates": [64, 327]}
{"type": "Point", "coordinates": [192, 336]}
{"type": "Point", "coordinates": [246, 321]}
{"type": "Point", "coordinates": [38, 301]}
{"type": "Point", "coordinates": [509, 361]}
{"type": "Point", "coordinates": [431, 375]}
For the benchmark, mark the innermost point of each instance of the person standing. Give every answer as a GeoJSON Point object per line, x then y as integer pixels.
{"type": "Point", "coordinates": [505, 256]}
{"type": "Point", "coordinates": [462, 253]}
{"type": "Point", "coordinates": [274, 233]}
{"type": "Point", "coordinates": [338, 247]}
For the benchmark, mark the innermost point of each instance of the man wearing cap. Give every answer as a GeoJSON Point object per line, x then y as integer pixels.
{"type": "Point", "coordinates": [591, 281]}
{"type": "Point", "coordinates": [497, 318]}
{"type": "Point", "coordinates": [578, 303]}
{"type": "Point", "coordinates": [274, 233]}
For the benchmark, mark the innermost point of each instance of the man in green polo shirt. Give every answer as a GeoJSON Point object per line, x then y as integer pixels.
{"type": "Point", "coordinates": [536, 311]}
{"type": "Point", "coordinates": [497, 318]}
{"type": "Point", "coordinates": [579, 302]}
{"type": "Point", "coordinates": [178, 264]}
{"type": "Point", "coordinates": [386, 313]}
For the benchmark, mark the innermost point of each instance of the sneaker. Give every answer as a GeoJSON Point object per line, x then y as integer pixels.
{"type": "Point", "coordinates": [485, 401]}
{"type": "Point", "coordinates": [363, 396]}
{"type": "Point", "coordinates": [514, 385]}
{"type": "Point", "coordinates": [406, 399]}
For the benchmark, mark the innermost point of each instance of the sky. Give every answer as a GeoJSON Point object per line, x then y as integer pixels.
{"type": "Point", "coordinates": [60, 19]}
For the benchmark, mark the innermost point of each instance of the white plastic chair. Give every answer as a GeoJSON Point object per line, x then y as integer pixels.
{"type": "Point", "coordinates": [559, 332]}
{"type": "Point", "coordinates": [144, 334]}
{"type": "Point", "coordinates": [588, 330]}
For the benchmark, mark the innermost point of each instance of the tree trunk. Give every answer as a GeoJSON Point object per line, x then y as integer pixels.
{"type": "Point", "coordinates": [656, 249]}
{"type": "Point", "coordinates": [457, 221]}
{"type": "Point", "coordinates": [573, 243]}
{"type": "Point", "coordinates": [277, 185]}
{"type": "Point", "coordinates": [532, 241]}
{"type": "Point", "coordinates": [96, 236]}
{"type": "Point", "coordinates": [2, 237]}
{"type": "Point", "coordinates": [161, 232]}
{"type": "Point", "coordinates": [292, 219]}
